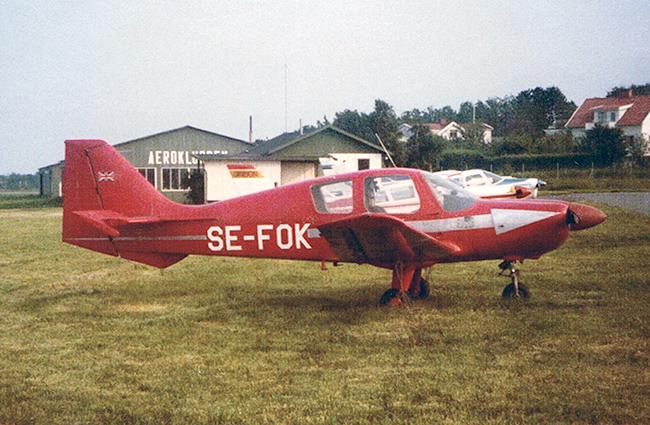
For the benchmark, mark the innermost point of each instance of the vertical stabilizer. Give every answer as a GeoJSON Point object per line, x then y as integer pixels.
{"type": "Point", "coordinates": [98, 185]}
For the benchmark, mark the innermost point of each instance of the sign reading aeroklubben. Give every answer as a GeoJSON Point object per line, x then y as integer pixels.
{"type": "Point", "coordinates": [179, 157]}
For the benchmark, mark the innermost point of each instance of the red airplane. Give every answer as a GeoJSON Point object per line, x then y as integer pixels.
{"type": "Point", "coordinates": [400, 219]}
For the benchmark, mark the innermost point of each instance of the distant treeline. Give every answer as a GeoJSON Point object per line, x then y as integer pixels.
{"type": "Point", "coordinates": [520, 136]}
{"type": "Point", "coordinates": [19, 182]}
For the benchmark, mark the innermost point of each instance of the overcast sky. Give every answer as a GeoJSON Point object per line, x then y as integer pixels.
{"type": "Point", "coordinates": [123, 69]}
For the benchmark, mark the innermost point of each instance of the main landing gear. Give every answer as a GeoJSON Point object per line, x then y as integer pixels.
{"type": "Point", "coordinates": [407, 284]}
{"type": "Point", "coordinates": [515, 289]}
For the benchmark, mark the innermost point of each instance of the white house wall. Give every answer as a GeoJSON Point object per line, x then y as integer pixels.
{"type": "Point", "coordinates": [352, 159]}
{"type": "Point", "coordinates": [219, 184]}
{"type": "Point", "coordinates": [295, 171]}
{"type": "Point", "coordinates": [645, 127]}
{"type": "Point", "coordinates": [630, 130]}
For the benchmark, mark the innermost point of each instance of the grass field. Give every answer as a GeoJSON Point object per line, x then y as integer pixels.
{"type": "Point", "coordinates": [587, 180]}
{"type": "Point", "coordinates": [90, 339]}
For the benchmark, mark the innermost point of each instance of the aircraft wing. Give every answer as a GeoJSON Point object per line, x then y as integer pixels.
{"type": "Point", "coordinates": [374, 238]}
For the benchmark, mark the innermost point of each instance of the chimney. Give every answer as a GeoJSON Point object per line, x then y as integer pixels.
{"type": "Point", "coordinates": [301, 132]}
{"type": "Point", "coordinates": [250, 129]}
{"type": "Point", "coordinates": [629, 93]}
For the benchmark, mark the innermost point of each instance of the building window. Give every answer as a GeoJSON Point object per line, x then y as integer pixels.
{"type": "Point", "coordinates": [175, 178]}
{"type": "Point", "coordinates": [606, 116]}
{"type": "Point", "coordinates": [149, 174]}
{"type": "Point", "coordinates": [363, 164]}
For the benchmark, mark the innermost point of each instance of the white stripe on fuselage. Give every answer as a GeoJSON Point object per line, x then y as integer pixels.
{"type": "Point", "coordinates": [502, 221]}
{"type": "Point", "coordinates": [507, 220]}
{"type": "Point", "coordinates": [471, 222]}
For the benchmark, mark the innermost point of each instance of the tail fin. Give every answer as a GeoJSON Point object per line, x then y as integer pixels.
{"type": "Point", "coordinates": [101, 191]}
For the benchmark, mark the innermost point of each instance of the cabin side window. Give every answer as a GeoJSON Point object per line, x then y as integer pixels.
{"type": "Point", "coordinates": [449, 195]}
{"type": "Point", "coordinates": [333, 197]}
{"type": "Point", "coordinates": [391, 194]}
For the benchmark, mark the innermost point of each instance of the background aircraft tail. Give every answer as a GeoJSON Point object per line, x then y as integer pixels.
{"type": "Point", "coordinates": [103, 191]}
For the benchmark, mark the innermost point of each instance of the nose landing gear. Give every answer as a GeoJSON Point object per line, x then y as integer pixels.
{"type": "Point", "coordinates": [515, 289]}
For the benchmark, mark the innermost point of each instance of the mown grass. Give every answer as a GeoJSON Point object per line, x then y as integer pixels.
{"type": "Point", "coordinates": [90, 339]}
{"type": "Point", "coordinates": [592, 180]}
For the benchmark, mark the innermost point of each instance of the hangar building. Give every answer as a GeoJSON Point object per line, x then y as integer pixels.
{"type": "Point", "coordinates": [163, 158]}
{"type": "Point", "coordinates": [166, 158]}
{"type": "Point", "coordinates": [289, 158]}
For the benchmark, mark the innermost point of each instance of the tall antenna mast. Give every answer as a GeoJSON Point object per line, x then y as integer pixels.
{"type": "Point", "coordinates": [286, 102]}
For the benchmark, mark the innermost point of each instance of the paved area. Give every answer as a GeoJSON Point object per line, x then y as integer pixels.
{"type": "Point", "coordinates": [636, 201]}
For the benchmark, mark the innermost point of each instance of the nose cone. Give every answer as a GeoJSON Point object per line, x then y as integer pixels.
{"type": "Point", "coordinates": [581, 217]}
{"type": "Point", "coordinates": [523, 192]}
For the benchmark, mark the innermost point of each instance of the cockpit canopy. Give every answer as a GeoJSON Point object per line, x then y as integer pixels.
{"type": "Point", "coordinates": [396, 193]}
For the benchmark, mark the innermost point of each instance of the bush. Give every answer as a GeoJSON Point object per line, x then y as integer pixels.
{"type": "Point", "coordinates": [466, 159]}
{"type": "Point", "coordinates": [541, 161]}
{"type": "Point", "coordinates": [462, 159]}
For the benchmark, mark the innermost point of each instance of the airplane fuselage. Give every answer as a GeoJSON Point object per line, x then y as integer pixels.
{"type": "Point", "coordinates": [401, 219]}
{"type": "Point", "coordinates": [284, 223]}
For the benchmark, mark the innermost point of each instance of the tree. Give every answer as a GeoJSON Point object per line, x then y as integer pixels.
{"type": "Point", "coordinates": [498, 112]}
{"type": "Point", "coordinates": [466, 113]}
{"type": "Point", "coordinates": [643, 90]}
{"type": "Point", "coordinates": [195, 181]}
{"type": "Point", "coordinates": [354, 123]}
{"type": "Point", "coordinates": [19, 182]}
{"type": "Point", "coordinates": [537, 109]}
{"type": "Point", "coordinates": [510, 145]}
{"type": "Point", "coordinates": [383, 122]}
{"type": "Point", "coordinates": [415, 116]}
{"type": "Point", "coordinates": [636, 147]}
{"type": "Point", "coordinates": [473, 135]}
{"type": "Point", "coordinates": [423, 149]}
{"type": "Point", "coordinates": [606, 145]}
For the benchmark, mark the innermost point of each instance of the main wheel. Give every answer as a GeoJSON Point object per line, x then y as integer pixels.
{"type": "Point", "coordinates": [509, 291]}
{"type": "Point", "coordinates": [394, 297]}
{"type": "Point", "coordinates": [423, 291]}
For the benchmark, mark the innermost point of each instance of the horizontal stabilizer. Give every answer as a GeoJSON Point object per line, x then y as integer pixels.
{"type": "Point", "coordinates": [153, 259]}
{"type": "Point", "coordinates": [108, 221]}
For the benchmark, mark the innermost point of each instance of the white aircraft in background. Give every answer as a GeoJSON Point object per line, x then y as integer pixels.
{"type": "Point", "coordinates": [485, 184]}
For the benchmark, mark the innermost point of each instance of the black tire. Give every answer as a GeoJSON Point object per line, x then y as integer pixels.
{"type": "Point", "coordinates": [388, 296]}
{"type": "Point", "coordinates": [424, 291]}
{"type": "Point", "coordinates": [509, 291]}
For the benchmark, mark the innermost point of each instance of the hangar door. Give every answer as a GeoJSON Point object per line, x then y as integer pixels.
{"type": "Point", "coordinates": [294, 171]}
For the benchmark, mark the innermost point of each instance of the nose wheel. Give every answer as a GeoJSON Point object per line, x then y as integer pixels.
{"type": "Point", "coordinates": [515, 289]}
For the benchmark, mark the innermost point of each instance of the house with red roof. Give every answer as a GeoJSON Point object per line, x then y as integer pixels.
{"type": "Point", "coordinates": [630, 113]}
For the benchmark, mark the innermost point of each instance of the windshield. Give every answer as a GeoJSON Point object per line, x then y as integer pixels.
{"type": "Point", "coordinates": [493, 177]}
{"type": "Point", "coordinates": [449, 195]}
